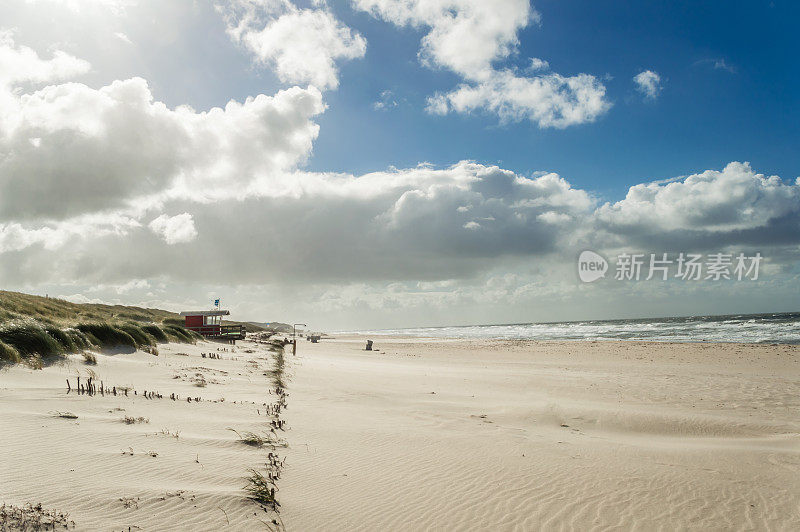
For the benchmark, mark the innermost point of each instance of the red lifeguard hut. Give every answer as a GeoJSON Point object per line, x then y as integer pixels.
{"type": "Point", "coordinates": [209, 324]}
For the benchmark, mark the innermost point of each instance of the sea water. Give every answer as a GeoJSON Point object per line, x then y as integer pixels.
{"type": "Point", "coordinates": [747, 328]}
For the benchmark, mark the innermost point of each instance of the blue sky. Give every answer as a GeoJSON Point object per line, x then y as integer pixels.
{"type": "Point", "coordinates": [729, 74]}
{"type": "Point", "coordinates": [703, 118]}
{"type": "Point", "coordinates": [140, 139]}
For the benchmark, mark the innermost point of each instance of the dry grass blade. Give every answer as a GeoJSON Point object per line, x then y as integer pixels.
{"type": "Point", "coordinates": [30, 517]}
{"type": "Point", "coordinates": [252, 439]}
{"type": "Point", "coordinates": [261, 490]}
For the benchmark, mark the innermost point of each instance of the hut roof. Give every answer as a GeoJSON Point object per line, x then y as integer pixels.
{"type": "Point", "coordinates": [206, 313]}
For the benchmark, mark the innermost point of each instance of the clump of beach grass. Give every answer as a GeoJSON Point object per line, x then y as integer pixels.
{"type": "Point", "coordinates": [33, 518]}
{"type": "Point", "coordinates": [261, 490]}
{"type": "Point", "coordinates": [140, 337]}
{"type": "Point", "coordinates": [156, 332]}
{"type": "Point", "coordinates": [78, 338]}
{"type": "Point", "coordinates": [107, 335]}
{"type": "Point", "coordinates": [173, 321]}
{"type": "Point", "coordinates": [29, 338]}
{"type": "Point", "coordinates": [180, 334]}
{"type": "Point", "coordinates": [62, 337]}
{"type": "Point", "coordinates": [249, 438]}
{"type": "Point", "coordinates": [90, 359]}
{"type": "Point", "coordinates": [256, 440]}
{"type": "Point", "coordinates": [130, 420]}
{"type": "Point", "coordinates": [144, 337]}
{"type": "Point", "coordinates": [9, 354]}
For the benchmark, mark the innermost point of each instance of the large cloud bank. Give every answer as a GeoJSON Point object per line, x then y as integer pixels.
{"type": "Point", "coordinates": [106, 186]}
{"type": "Point", "coordinates": [81, 165]}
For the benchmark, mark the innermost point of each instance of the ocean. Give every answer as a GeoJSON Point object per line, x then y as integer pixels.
{"type": "Point", "coordinates": [747, 328]}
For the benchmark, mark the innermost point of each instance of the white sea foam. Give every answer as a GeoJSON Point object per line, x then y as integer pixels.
{"type": "Point", "coordinates": [761, 328]}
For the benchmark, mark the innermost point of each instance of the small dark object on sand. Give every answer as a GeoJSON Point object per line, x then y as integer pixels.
{"type": "Point", "coordinates": [369, 345]}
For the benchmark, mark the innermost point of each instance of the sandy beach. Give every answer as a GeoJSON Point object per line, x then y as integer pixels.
{"type": "Point", "coordinates": [179, 467]}
{"type": "Point", "coordinates": [420, 435]}
{"type": "Point", "coordinates": [399, 266]}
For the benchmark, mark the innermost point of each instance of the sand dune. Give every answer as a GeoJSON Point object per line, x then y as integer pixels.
{"type": "Point", "coordinates": [180, 470]}
{"type": "Point", "coordinates": [423, 435]}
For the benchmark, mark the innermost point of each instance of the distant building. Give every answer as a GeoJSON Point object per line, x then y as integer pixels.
{"type": "Point", "coordinates": [209, 324]}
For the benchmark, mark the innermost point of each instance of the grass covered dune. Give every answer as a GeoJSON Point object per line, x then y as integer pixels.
{"type": "Point", "coordinates": [34, 329]}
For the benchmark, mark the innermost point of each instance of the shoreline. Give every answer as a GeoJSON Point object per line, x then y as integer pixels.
{"type": "Point", "coordinates": [366, 336]}
{"type": "Point", "coordinates": [768, 328]}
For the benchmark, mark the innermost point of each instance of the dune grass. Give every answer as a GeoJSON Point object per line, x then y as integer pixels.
{"type": "Point", "coordinates": [107, 335]}
{"type": "Point", "coordinates": [15, 305]}
{"type": "Point", "coordinates": [30, 517]}
{"type": "Point", "coordinates": [78, 338]}
{"type": "Point", "coordinates": [62, 337]}
{"type": "Point", "coordinates": [140, 337]}
{"type": "Point", "coordinates": [156, 332]}
{"type": "Point", "coordinates": [180, 334]}
{"type": "Point", "coordinates": [261, 490]}
{"type": "Point", "coordinates": [30, 338]}
{"type": "Point", "coordinates": [256, 440]}
{"type": "Point", "coordinates": [9, 354]}
{"type": "Point", "coordinates": [178, 322]}
{"type": "Point", "coordinates": [35, 329]}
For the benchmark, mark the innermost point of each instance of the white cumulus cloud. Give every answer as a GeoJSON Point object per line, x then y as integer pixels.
{"type": "Point", "coordinates": [465, 36]}
{"type": "Point", "coordinates": [69, 149]}
{"type": "Point", "coordinates": [301, 45]}
{"type": "Point", "coordinates": [176, 229]}
{"type": "Point", "coordinates": [468, 37]}
{"type": "Point", "coordinates": [20, 64]}
{"type": "Point", "coordinates": [16, 236]}
{"type": "Point", "coordinates": [733, 199]}
{"type": "Point", "coordinates": [648, 83]}
{"type": "Point", "coordinates": [549, 100]}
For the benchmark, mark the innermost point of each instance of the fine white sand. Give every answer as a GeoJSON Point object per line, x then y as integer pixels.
{"type": "Point", "coordinates": [423, 435]}
{"type": "Point", "coordinates": [84, 466]}
{"type": "Point", "coordinates": [458, 435]}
